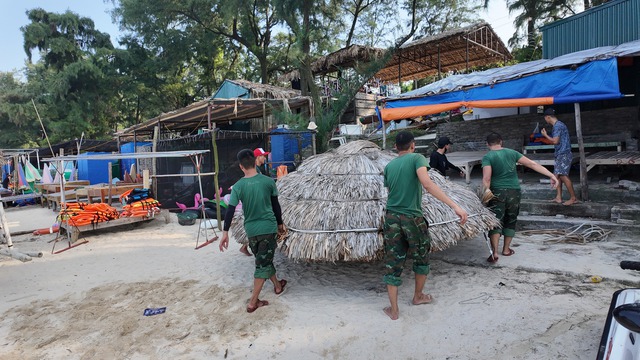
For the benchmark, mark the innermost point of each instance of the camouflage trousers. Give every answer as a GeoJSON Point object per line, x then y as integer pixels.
{"type": "Point", "coordinates": [263, 248]}
{"type": "Point", "coordinates": [405, 236]}
{"type": "Point", "coordinates": [506, 206]}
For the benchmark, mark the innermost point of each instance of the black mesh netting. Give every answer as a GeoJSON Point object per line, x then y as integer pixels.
{"type": "Point", "coordinates": [183, 189]}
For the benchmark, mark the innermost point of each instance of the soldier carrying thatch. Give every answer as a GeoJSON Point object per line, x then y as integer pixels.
{"type": "Point", "coordinates": [262, 222]}
{"type": "Point", "coordinates": [500, 179]}
{"type": "Point", "coordinates": [406, 231]}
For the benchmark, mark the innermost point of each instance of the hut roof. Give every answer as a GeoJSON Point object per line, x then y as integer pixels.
{"type": "Point", "coordinates": [457, 49]}
{"type": "Point", "coordinates": [222, 110]}
{"type": "Point", "coordinates": [265, 91]}
{"type": "Point", "coordinates": [347, 57]}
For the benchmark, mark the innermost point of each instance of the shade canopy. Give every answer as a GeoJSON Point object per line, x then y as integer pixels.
{"type": "Point", "coordinates": [578, 77]}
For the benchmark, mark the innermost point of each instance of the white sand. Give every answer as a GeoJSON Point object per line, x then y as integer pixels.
{"type": "Point", "coordinates": [87, 303]}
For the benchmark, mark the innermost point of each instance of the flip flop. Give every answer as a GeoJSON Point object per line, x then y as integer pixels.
{"type": "Point", "coordinates": [492, 259]}
{"type": "Point", "coordinates": [283, 283]}
{"type": "Point", "coordinates": [260, 303]}
{"type": "Point", "coordinates": [511, 252]}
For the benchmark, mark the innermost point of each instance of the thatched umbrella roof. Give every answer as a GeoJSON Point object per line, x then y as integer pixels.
{"type": "Point", "coordinates": [334, 205]}
{"type": "Point", "coordinates": [455, 49]}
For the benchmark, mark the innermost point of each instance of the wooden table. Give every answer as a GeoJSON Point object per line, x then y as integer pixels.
{"type": "Point", "coordinates": [102, 191]}
{"type": "Point", "coordinates": [53, 188]}
{"type": "Point", "coordinates": [466, 160]}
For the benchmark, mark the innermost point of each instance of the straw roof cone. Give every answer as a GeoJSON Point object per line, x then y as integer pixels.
{"type": "Point", "coordinates": [334, 204]}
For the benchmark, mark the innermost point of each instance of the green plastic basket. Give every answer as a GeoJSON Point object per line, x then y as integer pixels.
{"type": "Point", "coordinates": [187, 218]}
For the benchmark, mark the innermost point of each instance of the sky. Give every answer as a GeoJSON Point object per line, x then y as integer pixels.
{"type": "Point", "coordinates": [13, 16]}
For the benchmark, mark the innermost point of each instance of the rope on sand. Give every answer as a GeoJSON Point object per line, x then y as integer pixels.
{"type": "Point", "coordinates": [577, 234]}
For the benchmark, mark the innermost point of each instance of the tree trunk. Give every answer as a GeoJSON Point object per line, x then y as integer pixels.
{"type": "Point", "coordinates": [264, 68]}
{"type": "Point", "coordinates": [531, 34]}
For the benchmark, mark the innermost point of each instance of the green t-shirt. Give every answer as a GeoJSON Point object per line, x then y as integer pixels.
{"type": "Point", "coordinates": [255, 193]}
{"type": "Point", "coordinates": [504, 174]}
{"type": "Point", "coordinates": [405, 189]}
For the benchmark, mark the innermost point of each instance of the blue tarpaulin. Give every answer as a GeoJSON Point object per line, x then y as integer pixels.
{"type": "Point", "coordinates": [583, 76]}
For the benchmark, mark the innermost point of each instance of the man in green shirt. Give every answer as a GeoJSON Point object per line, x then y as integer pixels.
{"type": "Point", "coordinates": [262, 222]}
{"type": "Point", "coordinates": [499, 174]}
{"type": "Point", "coordinates": [406, 232]}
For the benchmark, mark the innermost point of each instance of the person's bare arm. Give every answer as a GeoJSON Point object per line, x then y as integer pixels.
{"type": "Point", "coordinates": [554, 140]}
{"type": "Point", "coordinates": [435, 190]}
{"type": "Point", "coordinates": [525, 161]}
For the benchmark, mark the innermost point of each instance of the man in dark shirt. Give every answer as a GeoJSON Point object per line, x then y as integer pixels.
{"type": "Point", "coordinates": [439, 161]}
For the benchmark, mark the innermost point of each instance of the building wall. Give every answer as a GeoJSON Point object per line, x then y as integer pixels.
{"type": "Point", "coordinates": [612, 23]}
{"type": "Point", "coordinates": [597, 126]}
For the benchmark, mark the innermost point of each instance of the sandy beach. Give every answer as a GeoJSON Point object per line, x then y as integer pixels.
{"type": "Point", "coordinates": [88, 302]}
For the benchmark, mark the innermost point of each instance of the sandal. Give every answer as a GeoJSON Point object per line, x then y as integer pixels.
{"type": "Point", "coordinates": [260, 303]}
{"type": "Point", "coordinates": [283, 283]}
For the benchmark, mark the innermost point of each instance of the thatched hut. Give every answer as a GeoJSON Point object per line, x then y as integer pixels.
{"type": "Point", "coordinates": [334, 204]}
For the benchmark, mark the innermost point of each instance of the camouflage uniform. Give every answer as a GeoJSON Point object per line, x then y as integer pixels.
{"type": "Point", "coordinates": [263, 247]}
{"type": "Point", "coordinates": [405, 235]}
{"type": "Point", "coordinates": [506, 206]}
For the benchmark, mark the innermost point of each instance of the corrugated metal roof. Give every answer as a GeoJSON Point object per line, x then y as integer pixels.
{"type": "Point", "coordinates": [610, 24]}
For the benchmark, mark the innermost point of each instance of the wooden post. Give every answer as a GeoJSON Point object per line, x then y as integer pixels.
{"type": "Point", "coordinates": [5, 226]}
{"type": "Point", "coordinates": [384, 137]}
{"type": "Point", "coordinates": [154, 161]}
{"type": "Point", "coordinates": [584, 185]}
{"type": "Point", "coordinates": [11, 252]}
{"type": "Point", "coordinates": [313, 142]}
{"type": "Point", "coordinates": [216, 169]}
{"type": "Point", "coordinates": [62, 179]}
{"type": "Point", "coordinates": [110, 182]}
{"type": "Point", "coordinates": [145, 178]}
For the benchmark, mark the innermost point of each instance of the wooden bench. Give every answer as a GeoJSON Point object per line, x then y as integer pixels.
{"type": "Point", "coordinates": [606, 144]}
{"type": "Point", "coordinates": [613, 158]}
{"type": "Point", "coordinates": [548, 159]}
{"type": "Point", "coordinates": [19, 197]}
{"type": "Point", "coordinates": [55, 198]}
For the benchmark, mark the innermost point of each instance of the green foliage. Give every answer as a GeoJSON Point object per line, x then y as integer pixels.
{"type": "Point", "coordinates": [524, 54]}
{"type": "Point", "coordinates": [175, 52]}
{"type": "Point", "coordinates": [16, 118]}
{"type": "Point", "coordinates": [391, 137]}
{"type": "Point", "coordinates": [61, 38]}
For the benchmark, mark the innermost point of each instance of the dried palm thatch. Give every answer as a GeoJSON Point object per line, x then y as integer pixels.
{"type": "Point", "coordinates": [2, 160]}
{"type": "Point", "coordinates": [237, 228]}
{"type": "Point", "coordinates": [444, 226]}
{"type": "Point", "coordinates": [334, 204]}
